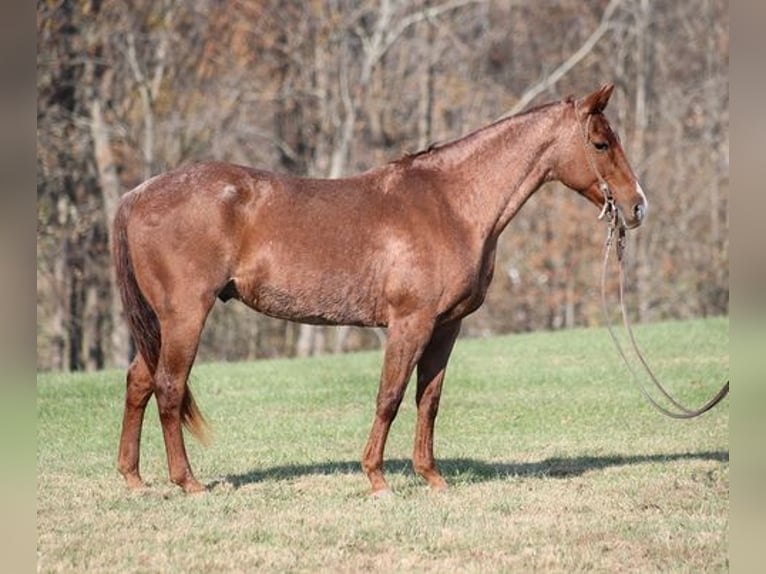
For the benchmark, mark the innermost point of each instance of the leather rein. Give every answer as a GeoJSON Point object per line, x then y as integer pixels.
{"type": "Point", "coordinates": [616, 229]}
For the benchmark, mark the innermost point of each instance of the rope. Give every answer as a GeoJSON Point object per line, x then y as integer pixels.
{"type": "Point", "coordinates": [682, 412]}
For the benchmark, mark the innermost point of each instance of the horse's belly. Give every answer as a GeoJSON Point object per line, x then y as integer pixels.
{"type": "Point", "coordinates": [316, 304]}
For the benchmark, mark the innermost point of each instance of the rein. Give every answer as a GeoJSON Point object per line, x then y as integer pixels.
{"type": "Point", "coordinates": [616, 228]}
{"type": "Point", "coordinates": [682, 412]}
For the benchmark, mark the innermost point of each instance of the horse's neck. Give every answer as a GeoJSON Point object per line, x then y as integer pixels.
{"type": "Point", "coordinates": [496, 169]}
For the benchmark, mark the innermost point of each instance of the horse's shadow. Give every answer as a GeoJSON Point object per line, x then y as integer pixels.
{"type": "Point", "coordinates": [470, 470]}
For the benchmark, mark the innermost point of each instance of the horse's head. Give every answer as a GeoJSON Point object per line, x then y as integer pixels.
{"type": "Point", "coordinates": [594, 164]}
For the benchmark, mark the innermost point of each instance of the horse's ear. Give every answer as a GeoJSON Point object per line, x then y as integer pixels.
{"type": "Point", "coordinates": [596, 102]}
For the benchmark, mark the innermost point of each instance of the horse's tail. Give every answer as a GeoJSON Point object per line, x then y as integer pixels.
{"type": "Point", "coordinates": [142, 320]}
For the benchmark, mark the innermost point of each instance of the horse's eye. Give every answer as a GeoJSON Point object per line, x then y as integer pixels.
{"type": "Point", "coordinates": [601, 146]}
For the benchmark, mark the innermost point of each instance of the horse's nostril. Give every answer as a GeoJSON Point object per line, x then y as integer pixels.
{"type": "Point", "coordinates": [639, 211]}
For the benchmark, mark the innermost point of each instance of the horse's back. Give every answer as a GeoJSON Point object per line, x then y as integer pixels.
{"type": "Point", "coordinates": [192, 186]}
{"type": "Point", "coordinates": [208, 188]}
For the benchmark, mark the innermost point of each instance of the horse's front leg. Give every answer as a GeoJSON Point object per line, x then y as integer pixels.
{"type": "Point", "coordinates": [407, 338]}
{"type": "Point", "coordinates": [431, 369]}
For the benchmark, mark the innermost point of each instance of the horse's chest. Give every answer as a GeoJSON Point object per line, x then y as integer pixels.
{"type": "Point", "coordinates": [471, 287]}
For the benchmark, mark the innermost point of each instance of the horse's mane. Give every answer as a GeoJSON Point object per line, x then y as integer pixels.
{"type": "Point", "coordinates": [432, 146]}
{"type": "Point", "coordinates": [439, 145]}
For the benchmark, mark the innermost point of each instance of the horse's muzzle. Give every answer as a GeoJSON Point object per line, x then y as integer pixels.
{"type": "Point", "coordinates": [636, 216]}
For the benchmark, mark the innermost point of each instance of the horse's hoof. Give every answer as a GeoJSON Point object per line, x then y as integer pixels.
{"type": "Point", "coordinates": [134, 482]}
{"type": "Point", "coordinates": [383, 493]}
{"type": "Point", "coordinates": [194, 487]}
{"type": "Point", "coordinates": [438, 484]}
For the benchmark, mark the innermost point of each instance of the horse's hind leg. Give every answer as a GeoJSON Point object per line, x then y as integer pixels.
{"type": "Point", "coordinates": [139, 391]}
{"type": "Point", "coordinates": [181, 331]}
{"type": "Point", "coordinates": [431, 369]}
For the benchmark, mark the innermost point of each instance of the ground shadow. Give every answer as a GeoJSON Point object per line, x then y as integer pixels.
{"type": "Point", "coordinates": [472, 470]}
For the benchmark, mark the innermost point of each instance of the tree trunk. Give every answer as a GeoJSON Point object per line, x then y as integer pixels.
{"type": "Point", "coordinates": [59, 359]}
{"type": "Point", "coordinates": [638, 150]}
{"type": "Point", "coordinates": [426, 80]}
{"type": "Point", "coordinates": [110, 191]}
{"type": "Point", "coordinates": [91, 330]}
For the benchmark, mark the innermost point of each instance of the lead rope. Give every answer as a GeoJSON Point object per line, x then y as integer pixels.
{"type": "Point", "coordinates": [685, 413]}
{"type": "Point", "coordinates": [616, 226]}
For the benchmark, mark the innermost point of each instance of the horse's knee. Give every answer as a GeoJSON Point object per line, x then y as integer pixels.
{"type": "Point", "coordinates": [138, 380]}
{"type": "Point", "coordinates": [388, 404]}
{"type": "Point", "coordinates": [138, 396]}
{"type": "Point", "coordinates": [169, 393]}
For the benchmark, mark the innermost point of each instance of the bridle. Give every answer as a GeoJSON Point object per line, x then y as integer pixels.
{"type": "Point", "coordinates": [616, 228]}
{"type": "Point", "coordinates": [610, 208]}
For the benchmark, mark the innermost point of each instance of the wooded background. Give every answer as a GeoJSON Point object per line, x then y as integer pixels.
{"type": "Point", "coordinates": [334, 87]}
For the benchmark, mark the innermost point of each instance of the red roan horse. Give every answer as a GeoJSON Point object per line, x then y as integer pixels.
{"type": "Point", "coordinates": [409, 246]}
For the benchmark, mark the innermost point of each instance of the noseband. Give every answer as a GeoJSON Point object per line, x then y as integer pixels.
{"type": "Point", "coordinates": [616, 224]}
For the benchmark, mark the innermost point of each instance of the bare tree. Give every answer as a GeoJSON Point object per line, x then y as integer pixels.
{"type": "Point", "coordinates": [332, 87]}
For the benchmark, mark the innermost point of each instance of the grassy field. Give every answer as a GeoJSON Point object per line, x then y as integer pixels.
{"type": "Point", "coordinates": [556, 463]}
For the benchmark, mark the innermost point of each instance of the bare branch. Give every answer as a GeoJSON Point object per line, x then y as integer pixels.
{"type": "Point", "coordinates": [551, 79]}
{"type": "Point", "coordinates": [138, 74]}
{"type": "Point", "coordinates": [390, 37]}
{"type": "Point", "coordinates": [162, 50]}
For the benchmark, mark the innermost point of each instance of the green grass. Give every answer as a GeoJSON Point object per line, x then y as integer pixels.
{"type": "Point", "coordinates": [554, 459]}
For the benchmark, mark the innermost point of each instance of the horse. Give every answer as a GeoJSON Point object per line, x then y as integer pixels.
{"type": "Point", "coordinates": [408, 246]}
